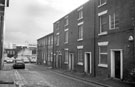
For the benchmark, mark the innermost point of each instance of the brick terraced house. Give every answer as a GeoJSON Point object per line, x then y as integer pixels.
{"type": "Point", "coordinates": [96, 38]}
{"type": "Point", "coordinates": [45, 50]}
{"type": "Point", "coordinates": [74, 40]}
{"type": "Point", "coordinates": [115, 38]}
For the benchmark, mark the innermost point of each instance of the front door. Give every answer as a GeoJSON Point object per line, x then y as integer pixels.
{"type": "Point", "coordinates": [87, 67]}
{"type": "Point", "coordinates": [71, 61]}
{"type": "Point", "coordinates": [57, 56]}
{"type": "Point", "coordinates": [59, 61]}
{"type": "Point", "coordinates": [116, 64]}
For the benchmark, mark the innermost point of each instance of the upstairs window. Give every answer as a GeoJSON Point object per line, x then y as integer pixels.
{"type": "Point", "coordinates": [66, 21]}
{"type": "Point", "coordinates": [101, 2]}
{"type": "Point", "coordinates": [113, 21]}
{"type": "Point", "coordinates": [80, 13]}
{"type": "Point", "coordinates": [66, 36]}
{"type": "Point", "coordinates": [103, 22]}
{"type": "Point", "coordinates": [57, 39]}
{"type": "Point", "coordinates": [80, 31]}
{"type": "Point", "coordinates": [57, 25]}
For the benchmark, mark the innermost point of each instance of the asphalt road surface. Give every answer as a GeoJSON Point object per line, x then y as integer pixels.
{"type": "Point", "coordinates": [38, 76]}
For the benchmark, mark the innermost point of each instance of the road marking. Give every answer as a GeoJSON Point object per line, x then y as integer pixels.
{"type": "Point", "coordinates": [19, 80]}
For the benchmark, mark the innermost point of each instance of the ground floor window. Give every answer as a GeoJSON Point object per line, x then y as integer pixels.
{"type": "Point", "coordinates": [103, 56]}
{"type": "Point", "coordinates": [80, 56]}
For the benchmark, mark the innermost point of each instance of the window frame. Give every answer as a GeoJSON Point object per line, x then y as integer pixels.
{"type": "Point", "coordinates": [102, 44]}
{"type": "Point", "coordinates": [66, 35]}
{"type": "Point", "coordinates": [57, 25]}
{"type": "Point", "coordinates": [80, 31]}
{"type": "Point", "coordinates": [57, 39]}
{"type": "Point", "coordinates": [78, 55]}
{"type": "Point", "coordinates": [101, 4]}
{"type": "Point", "coordinates": [114, 20]}
{"type": "Point", "coordinates": [66, 21]}
{"type": "Point", "coordinates": [66, 60]}
{"type": "Point", "coordinates": [100, 15]}
{"type": "Point", "coordinates": [80, 13]}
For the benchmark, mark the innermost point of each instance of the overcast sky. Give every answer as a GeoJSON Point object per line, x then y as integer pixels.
{"type": "Point", "coordinates": [28, 20]}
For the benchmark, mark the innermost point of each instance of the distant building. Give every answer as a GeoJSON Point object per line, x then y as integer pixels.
{"type": "Point", "coordinates": [45, 50]}
{"type": "Point", "coordinates": [10, 52]}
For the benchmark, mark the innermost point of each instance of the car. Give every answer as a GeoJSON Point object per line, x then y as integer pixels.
{"type": "Point", "coordinates": [26, 60]}
{"type": "Point", "coordinates": [33, 60]}
{"type": "Point", "coordinates": [18, 64]}
{"type": "Point", "coordinates": [9, 60]}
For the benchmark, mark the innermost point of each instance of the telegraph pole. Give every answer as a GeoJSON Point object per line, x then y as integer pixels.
{"type": "Point", "coordinates": [3, 4]}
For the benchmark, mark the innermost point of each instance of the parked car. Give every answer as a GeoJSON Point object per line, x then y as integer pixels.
{"type": "Point", "coordinates": [33, 60]}
{"type": "Point", "coordinates": [26, 60]}
{"type": "Point", "coordinates": [9, 60]}
{"type": "Point", "coordinates": [18, 63]}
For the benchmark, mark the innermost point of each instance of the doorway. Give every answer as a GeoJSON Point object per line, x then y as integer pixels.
{"type": "Point", "coordinates": [87, 67]}
{"type": "Point", "coordinates": [71, 61]}
{"type": "Point", "coordinates": [117, 63]}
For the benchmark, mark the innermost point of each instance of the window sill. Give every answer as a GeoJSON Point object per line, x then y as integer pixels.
{"type": "Point", "coordinates": [80, 18]}
{"type": "Point", "coordinates": [80, 63]}
{"type": "Point", "coordinates": [103, 33]}
{"type": "Point", "coordinates": [114, 28]}
{"type": "Point", "coordinates": [65, 62]}
{"type": "Point", "coordinates": [80, 39]}
{"type": "Point", "coordinates": [66, 25]}
{"type": "Point", "coordinates": [66, 43]}
{"type": "Point", "coordinates": [102, 5]}
{"type": "Point", "coordinates": [103, 65]}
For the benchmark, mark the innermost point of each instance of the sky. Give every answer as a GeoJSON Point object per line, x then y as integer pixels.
{"type": "Point", "coordinates": [29, 20]}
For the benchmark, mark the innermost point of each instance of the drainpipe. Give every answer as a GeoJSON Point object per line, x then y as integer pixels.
{"type": "Point", "coordinates": [94, 38]}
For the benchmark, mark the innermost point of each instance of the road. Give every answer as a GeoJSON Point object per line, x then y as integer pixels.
{"type": "Point", "coordinates": [39, 76]}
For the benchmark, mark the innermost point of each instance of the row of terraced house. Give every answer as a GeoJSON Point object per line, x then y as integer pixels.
{"type": "Point", "coordinates": [97, 38]}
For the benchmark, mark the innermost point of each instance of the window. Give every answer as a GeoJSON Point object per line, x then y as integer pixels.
{"type": "Point", "coordinates": [113, 21]}
{"type": "Point", "coordinates": [101, 2]}
{"type": "Point", "coordinates": [103, 54]}
{"type": "Point", "coordinates": [57, 25]}
{"type": "Point", "coordinates": [66, 56]}
{"type": "Point", "coordinates": [66, 36]}
{"type": "Point", "coordinates": [66, 21]}
{"type": "Point", "coordinates": [80, 32]}
{"type": "Point", "coordinates": [49, 40]}
{"type": "Point", "coordinates": [103, 22]}
{"type": "Point", "coordinates": [52, 40]}
{"type": "Point", "coordinates": [80, 13]}
{"type": "Point", "coordinates": [80, 57]}
{"type": "Point", "coordinates": [57, 39]}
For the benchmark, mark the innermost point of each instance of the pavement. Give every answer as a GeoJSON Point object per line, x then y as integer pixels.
{"type": "Point", "coordinates": [108, 82]}
{"type": "Point", "coordinates": [6, 78]}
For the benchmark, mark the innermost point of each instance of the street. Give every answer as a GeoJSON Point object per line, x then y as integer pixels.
{"type": "Point", "coordinates": [36, 76]}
